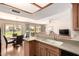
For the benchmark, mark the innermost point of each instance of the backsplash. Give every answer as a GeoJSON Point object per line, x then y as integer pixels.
{"type": "Point", "coordinates": [76, 35]}
{"type": "Point", "coordinates": [53, 36]}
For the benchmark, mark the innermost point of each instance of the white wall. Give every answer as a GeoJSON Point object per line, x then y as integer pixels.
{"type": "Point", "coordinates": [12, 17]}
{"type": "Point", "coordinates": [62, 20]}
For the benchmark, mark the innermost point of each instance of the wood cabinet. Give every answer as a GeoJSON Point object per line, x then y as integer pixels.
{"type": "Point", "coordinates": [75, 16]}
{"type": "Point", "coordinates": [36, 48]}
{"type": "Point", "coordinates": [43, 49]}
{"type": "Point", "coordinates": [26, 48]}
{"type": "Point", "coordinates": [53, 51]}
{"type": "Point", "coordinates": [40, 49]}
{"type": "Point", "coordinates": [29, 48]}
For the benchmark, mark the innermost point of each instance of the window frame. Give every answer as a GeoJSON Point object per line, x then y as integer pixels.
{"type": "Point", "coordinates": [13, 27]}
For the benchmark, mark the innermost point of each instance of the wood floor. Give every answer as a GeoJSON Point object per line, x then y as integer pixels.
{"type": "Point", "coordinates": [12, 51]}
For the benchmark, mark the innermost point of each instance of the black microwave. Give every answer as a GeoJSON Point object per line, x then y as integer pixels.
{"type": "Point", "coordinates": [64, 32]}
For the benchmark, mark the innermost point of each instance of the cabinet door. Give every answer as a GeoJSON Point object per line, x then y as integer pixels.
{"type": "Point", "coordinates": [29, 48]}
{"type": "Point", "coordinates": [49, 52]}
{"type": "Point", "coordinates": [52, 51]}
{"type": "Point", "coordinates": [78, 16]}
{"type": "Point", "coordinates": [37, 49]}
{"type": "Point", "coordinates": [26, 49]}
{"type": "Point", "coordinates": [32, 48]}
{"type": "Point", "coordinates": [42, 51]}
{"type": "Point", "coordinates": [75, 16]}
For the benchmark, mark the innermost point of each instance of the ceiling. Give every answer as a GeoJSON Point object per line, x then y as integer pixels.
{"type": "Point", "coordinates": [36, 11]}
{"type": "Point", "coordinates": [29, 7]}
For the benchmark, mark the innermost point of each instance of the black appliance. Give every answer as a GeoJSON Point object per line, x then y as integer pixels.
{"type": "Point", "coordinates": [0, 42]}
{"type": "Point", "coordinates": [64, 32]}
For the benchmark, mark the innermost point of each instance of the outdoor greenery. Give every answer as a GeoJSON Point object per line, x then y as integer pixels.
{"type": "Point", "coordinates": [9, 33]}
{"type": "Point", "coordinates": [11, 29]}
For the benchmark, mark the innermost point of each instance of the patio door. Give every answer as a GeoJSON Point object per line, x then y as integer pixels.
{"type": "Point", "coordinates": [10, 29]}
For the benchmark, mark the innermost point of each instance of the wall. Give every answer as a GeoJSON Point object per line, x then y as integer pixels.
{"type": "Point", "coordinates": [62, 20]}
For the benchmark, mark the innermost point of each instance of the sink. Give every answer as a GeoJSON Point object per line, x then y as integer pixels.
{"type": "Point", "coordinates": [54, 42]}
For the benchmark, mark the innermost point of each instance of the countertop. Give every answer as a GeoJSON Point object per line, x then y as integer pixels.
{"type": "Point", "coordinates": [68, 45]}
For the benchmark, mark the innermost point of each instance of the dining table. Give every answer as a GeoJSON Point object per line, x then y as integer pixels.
{"type": "Point", "coordinates": [13, 37]}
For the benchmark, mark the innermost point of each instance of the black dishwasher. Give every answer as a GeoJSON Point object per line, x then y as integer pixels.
{"type": "Point", "coordinates": [67, 53]}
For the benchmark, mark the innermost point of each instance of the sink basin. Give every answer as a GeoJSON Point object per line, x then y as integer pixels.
{"type": "Point", "coordinates": [54, 42]}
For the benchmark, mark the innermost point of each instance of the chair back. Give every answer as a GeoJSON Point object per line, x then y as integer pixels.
{"type": "Point", "coordinates": [19, 39]}
{"type": "Point", "coordinates": [5, 39]}
{"type": "Point", "coordinates": [14, 35]}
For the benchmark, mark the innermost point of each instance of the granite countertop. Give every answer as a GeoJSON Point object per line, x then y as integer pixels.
{"type": "Point", "coordinates": [68, 45]}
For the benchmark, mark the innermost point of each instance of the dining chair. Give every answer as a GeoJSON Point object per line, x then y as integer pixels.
{"type": "Point", "coordinates": [14, 35]}
{"type": "Point", "coordinates": [8, 42]}
{"type": "Point", "coordinates": [18, 41]}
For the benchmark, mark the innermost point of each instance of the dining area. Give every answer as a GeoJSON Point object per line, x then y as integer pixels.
{"type": "Point", "coordinates": [13, 45]}
{"type": "Point", "coordinates": [14, 34]}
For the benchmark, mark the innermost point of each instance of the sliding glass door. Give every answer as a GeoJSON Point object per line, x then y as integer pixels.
{"type": "Point", "coordinates": [10, 29]}
{"type": "Point", "coordinates": [17, 29]}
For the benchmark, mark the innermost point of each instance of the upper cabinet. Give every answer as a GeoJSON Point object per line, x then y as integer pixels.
{"type": "Point", "coordinates": [75, 16]}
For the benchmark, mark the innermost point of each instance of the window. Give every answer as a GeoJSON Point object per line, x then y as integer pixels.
{"type": "Point", "coordinates": [11, 29]}
{"type": "Point", "coordinates": [17, 29]}
{"type": "Point", "coordinates": [38, 29]}
{"type": "Point", "coordinates": [8, 30]}
{"type": "Point", "coordinates": [32, 29]}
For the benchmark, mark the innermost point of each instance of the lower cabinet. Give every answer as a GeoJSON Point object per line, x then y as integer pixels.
{"type": "Point", "coordinates": [36, 48]}
{"type": "Point", "coordinates": [29, 48]}
{"type": "Point", "coordinates": [43, 49]}
{"type": "Point", "coordinates": [40, 49]}
{"type": "Point", "coordinates": [26, 48]}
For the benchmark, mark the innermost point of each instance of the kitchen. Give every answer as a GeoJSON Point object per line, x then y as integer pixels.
{"type": "Point", "coordinates": [56, 33]}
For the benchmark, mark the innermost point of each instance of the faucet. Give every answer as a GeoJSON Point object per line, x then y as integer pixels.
{"type": "Point", "coordinates": [52, 33]}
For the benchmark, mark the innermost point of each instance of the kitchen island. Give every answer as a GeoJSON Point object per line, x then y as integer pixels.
{"type": "Point", "coordinates": [36, 46]}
